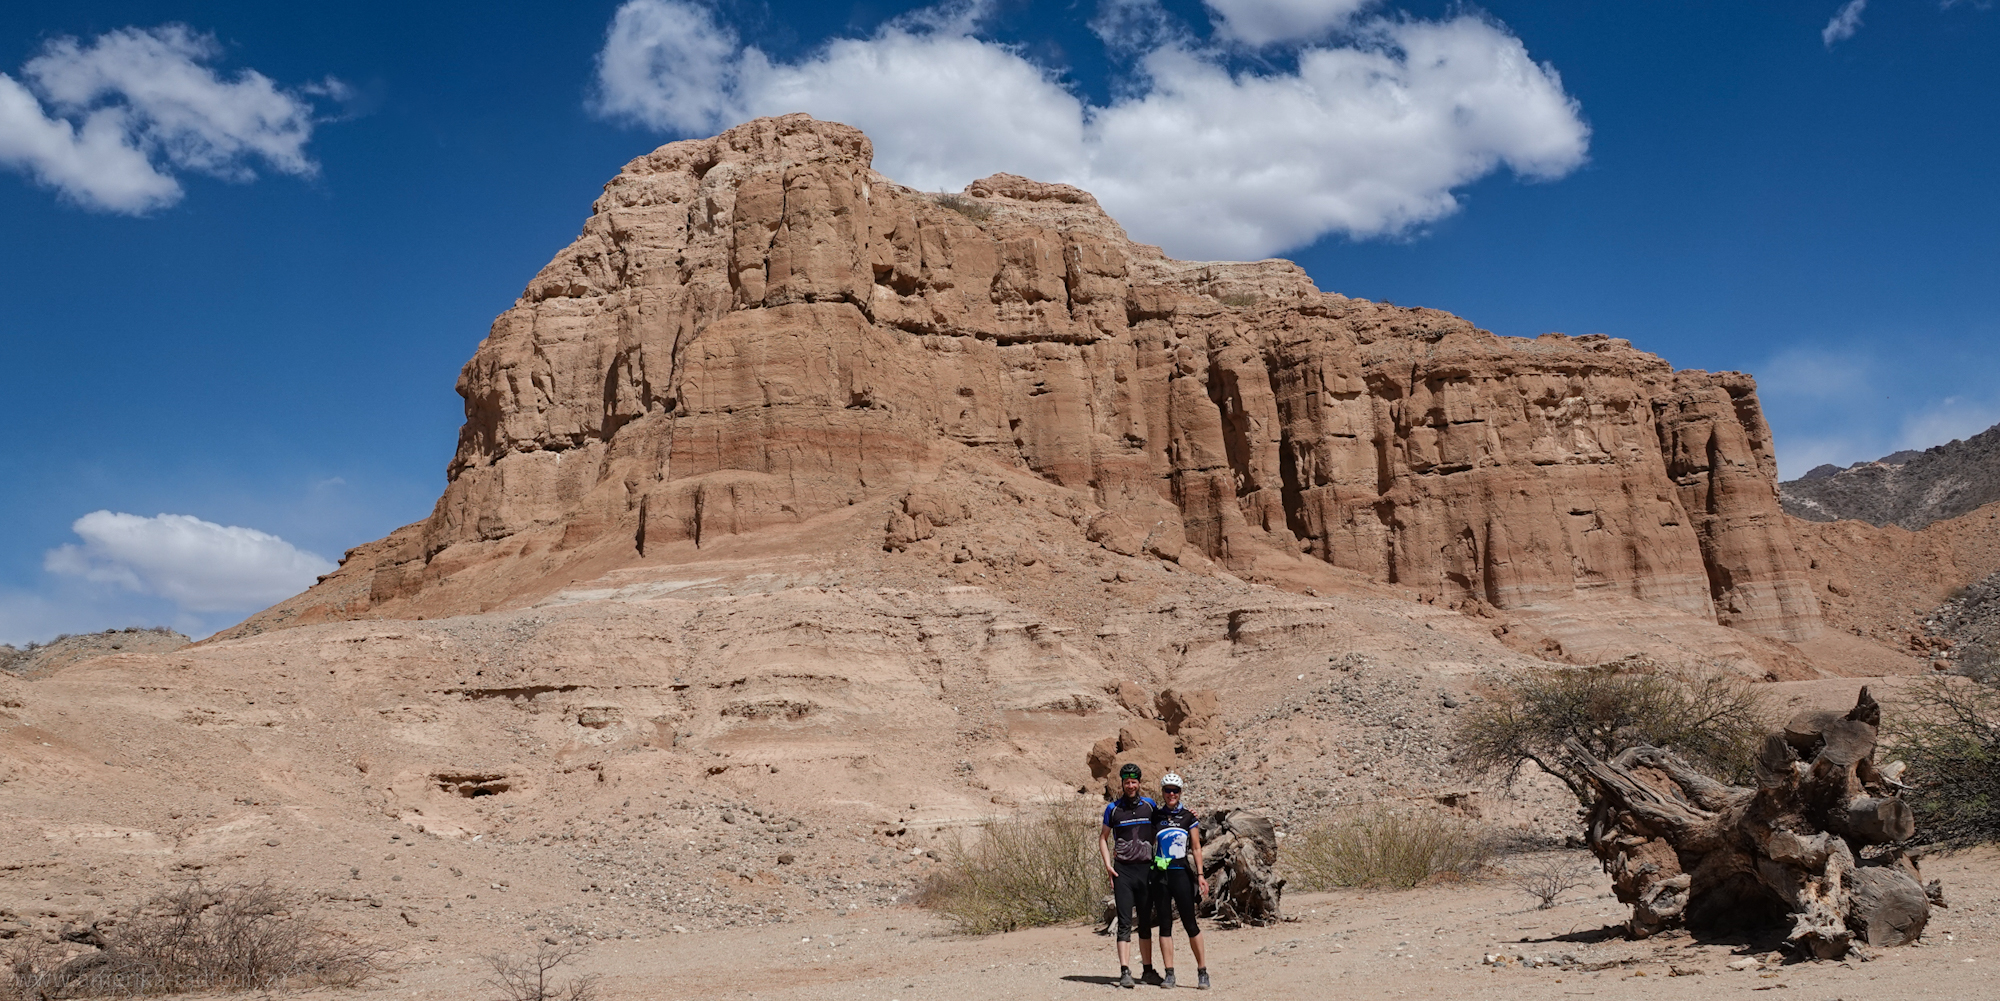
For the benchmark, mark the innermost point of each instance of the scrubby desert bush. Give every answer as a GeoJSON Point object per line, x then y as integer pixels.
{"type": "Point", "coordinates": [1713, 721]}
{"type": "Point", "coordinates": [1947, 731]}
{"type": "Point", "coordinates": [1547, 877]}
{"type": "Point", "coordinates": [1040, 868]}
{"type": "Point", "coordinates": [965, 205]}
{"type": "Point", "coordinates": [1385, 847]}
{"type": "Point", "coordinates": [194, 938]}
{"type": "Point", "coordinates": [1978, 661]}
{"type": "Point", "coordinates": [534, 978]}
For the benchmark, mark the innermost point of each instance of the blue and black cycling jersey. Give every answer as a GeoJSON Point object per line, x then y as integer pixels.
{"type": "Point", "coordinates": [1131, 823]}
{"type": "Point", "coordinates": [1172, 836]}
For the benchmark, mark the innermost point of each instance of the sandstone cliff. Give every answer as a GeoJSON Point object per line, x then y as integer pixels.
{"type": "Point", "coordinates": [756, 329]}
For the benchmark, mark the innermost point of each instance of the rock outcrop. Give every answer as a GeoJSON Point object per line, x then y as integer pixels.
{"type": "Point", "coordinates": [757, 328]}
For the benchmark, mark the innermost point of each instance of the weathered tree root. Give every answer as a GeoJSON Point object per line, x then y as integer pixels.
{"type": "Point", "coordinates": [1240, 849]}
{"type": "Point", "coordinates": [1805, 846]}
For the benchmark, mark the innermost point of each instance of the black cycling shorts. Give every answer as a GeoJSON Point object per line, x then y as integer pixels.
{"type": "Point", "coordinates": [1132, 888]}
{"type": "Point", "coordinates": [1176, 887]}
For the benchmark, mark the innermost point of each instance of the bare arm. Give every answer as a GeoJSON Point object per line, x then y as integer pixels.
{"type": "Point", "coordinates": [1200, 876]}
{"type": "Point", "coordinates": [1104, 849]}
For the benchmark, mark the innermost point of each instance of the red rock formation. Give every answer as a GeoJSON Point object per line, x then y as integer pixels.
{"type": "Point", "coordinates": [757, 328]}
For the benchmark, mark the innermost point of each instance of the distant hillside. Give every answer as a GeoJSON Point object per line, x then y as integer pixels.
{"type": "Point", "coordinates": [1910, 489]}
{"type": "Point", "coordinates": [38, 659]}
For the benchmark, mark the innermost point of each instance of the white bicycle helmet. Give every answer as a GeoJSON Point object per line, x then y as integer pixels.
{"type": "Point", "coordinates": [1172, 779]}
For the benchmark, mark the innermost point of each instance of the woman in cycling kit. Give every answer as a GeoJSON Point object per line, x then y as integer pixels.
{"type": "Point", "coordinates": [1176, 844]}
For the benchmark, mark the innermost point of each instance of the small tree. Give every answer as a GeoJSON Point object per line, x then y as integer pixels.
{"type": "Point", "coordinates": [1713, 721]}
{"type": "Point", "coordinates": [1547, 879]}
{"type": "Point", "coordinates": [533, 978]}
{"type": "Point", "coordinates": [1948, 732]}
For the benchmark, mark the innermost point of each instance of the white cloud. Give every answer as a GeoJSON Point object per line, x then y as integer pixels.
{"type": "Point", "coordinates": [1262, 22]}
{"type": "Point", "coordinates": [669, 65]}
{"type": "Point", "coordinates": [1368, 137]}
{"type": "Point", "coordinates": [108, 122]}
{"type": "Point", "coordinates": [1846, 21]}
{"type": "Point", "coordinates": [198, 565]}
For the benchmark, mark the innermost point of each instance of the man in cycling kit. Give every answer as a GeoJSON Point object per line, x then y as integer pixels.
{"type": "Point", "coordinates": [1177, 883]}
{"type": "Point", "coordinates": [1126, 842]}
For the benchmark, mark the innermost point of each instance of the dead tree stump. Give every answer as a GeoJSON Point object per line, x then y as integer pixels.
{"type": "Point", "coordinates": [1239, 849]}
{"type": "Point", "coordinates": [1815, 844]}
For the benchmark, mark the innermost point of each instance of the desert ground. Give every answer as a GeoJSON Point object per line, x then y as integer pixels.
{"type": "Point", "coordinates": [1479, 939]}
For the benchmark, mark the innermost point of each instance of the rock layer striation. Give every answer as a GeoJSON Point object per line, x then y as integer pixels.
{"type": "Point", "coordinates": [757, 328]}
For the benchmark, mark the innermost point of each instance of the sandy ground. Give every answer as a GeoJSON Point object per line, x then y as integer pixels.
{"type": "Point", "coordinates": [1431, 942]}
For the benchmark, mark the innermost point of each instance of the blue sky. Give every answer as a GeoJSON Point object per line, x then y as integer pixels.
{"type": "Point", "coordinates": [249, 245]}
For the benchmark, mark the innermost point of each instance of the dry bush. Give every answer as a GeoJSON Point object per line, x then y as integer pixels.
{"type": "Point", "coordinates": [965, 205]}
{"type": "Point", "coordinates": [1241, 300]}
{"type": "Point", "coordinates": [1947, 730]}
{"type": "Point", "coordinates": [1714, 721]}
{"type": "Point", "coordinates": [1978, 661]}
{"type": "Point", "coordinates": [194, 938]}
{"type": "Point", "coordinates": [1549, 877]}
{"type": "Point", "coordinates": [1040, 868]}
{"type": "Point", "coordinates": [533, 978]}
{"type": "Point", "coordinates": [1384, 847]}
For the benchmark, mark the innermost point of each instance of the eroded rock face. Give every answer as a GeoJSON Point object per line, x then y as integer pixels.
{"type": "Point", "coordinates": [757, 328]}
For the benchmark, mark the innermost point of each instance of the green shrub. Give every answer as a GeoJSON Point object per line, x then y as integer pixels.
{"type": "Point", "coordinates": [1040, 868]}
{"type": "Point", "coordinates": [1714, 721]}
{"type": "Point", "coordinates": [1384, 847]}
{"type": "Point", "coordinates": [1947, 730]}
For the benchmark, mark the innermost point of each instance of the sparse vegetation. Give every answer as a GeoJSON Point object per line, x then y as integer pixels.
{"type": "Point", "coordinates": [1241, 300]}
{"type": "Point", "coordinates": [194, 938]}
{"type": "Point", "coordinates": [1715, 722]}
{"type": "Point", "coordinates": [1385, 847]}
{"type": "Point", "coordinates": [22, 659]}
{"type": "Point", "coordinates": [1947, 730]}
{"type": "Point", "coordinates": [1042, 868]}
{"type": "Point", "coordinates": [965, 205]}
{"type": "Point", "coordinates": [1548, 877]}
{"type": "Point", "coordinates": [1978, 661]}
{"type": "Point", "coordinates": [533, 978]}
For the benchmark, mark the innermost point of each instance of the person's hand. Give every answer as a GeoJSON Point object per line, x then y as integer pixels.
{"type": "Point", "coordinates": [1203, 882]}
{"type": "Point", "coordinates": [1110, 870]}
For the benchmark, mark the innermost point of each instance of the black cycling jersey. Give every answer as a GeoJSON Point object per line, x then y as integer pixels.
{"type": "Point", "coordinates": [1131, 823]}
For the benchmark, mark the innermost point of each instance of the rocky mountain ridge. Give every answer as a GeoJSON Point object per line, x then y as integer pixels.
{"type": "Point", "coordinates": [38, 659]}
{"type": "Point", "coordinates": [1909, 489]}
